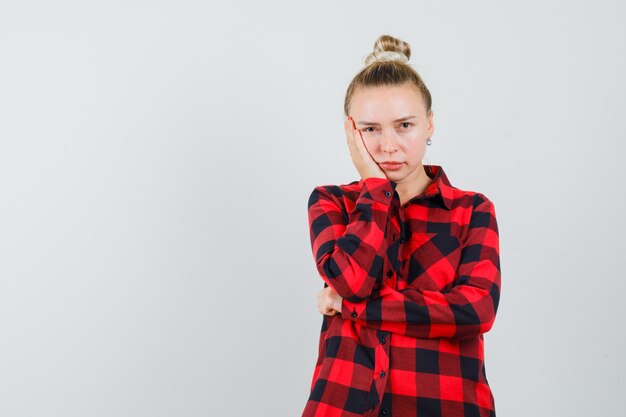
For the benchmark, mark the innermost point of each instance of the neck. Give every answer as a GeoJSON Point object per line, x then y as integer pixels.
{"type": "Point", "coordinates": [413, 185]}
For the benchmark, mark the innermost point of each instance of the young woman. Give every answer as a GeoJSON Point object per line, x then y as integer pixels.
{"type": "Point", "coordinates": [410, 263]}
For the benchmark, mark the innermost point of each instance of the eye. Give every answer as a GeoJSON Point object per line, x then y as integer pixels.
{"type": "Point", "coordinates": [365, 130]}
{"type": "Point", "coordinates": [406, 124]}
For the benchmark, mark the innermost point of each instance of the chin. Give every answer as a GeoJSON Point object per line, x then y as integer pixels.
{"type": "Point", "coordinates": [394, 176]}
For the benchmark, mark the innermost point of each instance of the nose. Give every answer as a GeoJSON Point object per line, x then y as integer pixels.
{"type": "Point", "coordinates": [389, 141]}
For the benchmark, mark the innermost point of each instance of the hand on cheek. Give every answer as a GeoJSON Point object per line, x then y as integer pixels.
{"type": "Point", "coordinates": [361, 158]}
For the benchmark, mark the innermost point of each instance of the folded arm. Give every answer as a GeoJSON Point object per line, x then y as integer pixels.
{"type": "Point", "coordinates": [465, 309]}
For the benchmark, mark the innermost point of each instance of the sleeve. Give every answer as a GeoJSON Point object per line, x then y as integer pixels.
{"type": "Point", "coordinates": [467, 308]}
{"type": "Point", "coordinates": [349, 247]}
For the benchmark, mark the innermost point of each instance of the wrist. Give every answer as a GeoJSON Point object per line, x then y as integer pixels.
{"type": "Point", "coordinates": [338, 304]}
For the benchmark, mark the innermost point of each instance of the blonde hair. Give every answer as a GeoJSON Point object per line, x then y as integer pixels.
{"type": "Point", "coordinates": [388, 64]}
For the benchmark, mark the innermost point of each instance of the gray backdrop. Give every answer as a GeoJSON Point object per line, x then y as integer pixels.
{"type": "Point", "coordinates": [156, 158]}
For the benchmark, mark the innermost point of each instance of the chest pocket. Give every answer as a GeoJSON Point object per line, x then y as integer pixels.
{"type": "Point", "coordinates": [430, 261]}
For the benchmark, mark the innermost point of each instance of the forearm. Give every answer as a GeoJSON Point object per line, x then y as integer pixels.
{"type": "Point", "coordinates": [349, 248]}
{"type": "Point", "coordinates": [464, 311]}
{"type": "Point", "coordinates": [465, 307]}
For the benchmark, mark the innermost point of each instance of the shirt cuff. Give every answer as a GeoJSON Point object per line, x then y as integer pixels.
{"type": "Point", "coordinates": [352, 311]}
{"type": "Point", "coordinates": [379, 189]}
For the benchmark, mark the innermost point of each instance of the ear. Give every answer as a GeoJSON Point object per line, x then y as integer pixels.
{"type": "Point", "coordinates": [431, 125]}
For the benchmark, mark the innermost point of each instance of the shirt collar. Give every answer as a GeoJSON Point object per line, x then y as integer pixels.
{"type": "Point", "coordinates": [440, 184]}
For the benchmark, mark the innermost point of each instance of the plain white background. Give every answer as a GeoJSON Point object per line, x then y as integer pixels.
{"type": "Point", "coordinates": [156, 158]}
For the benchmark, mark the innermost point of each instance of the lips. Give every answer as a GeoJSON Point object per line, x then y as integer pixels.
{"type": "Point", "coordinates": [391, 164]}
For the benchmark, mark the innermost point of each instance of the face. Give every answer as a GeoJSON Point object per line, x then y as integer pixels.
{"type": "Point", "coordinates": [395, 126]}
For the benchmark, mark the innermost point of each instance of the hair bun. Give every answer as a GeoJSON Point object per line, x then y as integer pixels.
{"type": "Point", "coordinates": [388, 48]}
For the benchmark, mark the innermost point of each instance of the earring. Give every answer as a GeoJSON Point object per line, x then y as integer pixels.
{"type": "Point", "coordinates": [428, 141]}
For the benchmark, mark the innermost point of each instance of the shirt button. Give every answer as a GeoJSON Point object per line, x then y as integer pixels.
{"type": "Point", "coordinates": [382, 374]}
{"type": "Point", "coordinates": [354, 314]}
{"type": "Point", "coordinates": [387, 193]}
{"type": "Point", "coordinates": [383, 341]}
{"type": "Point", "coordinates": [383, 411]}
{"type": "Point", "coordinates": [389, 273]}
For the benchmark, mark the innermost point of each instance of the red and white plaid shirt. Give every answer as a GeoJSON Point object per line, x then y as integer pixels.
{"type": "Point", "coordinates": [420, 284]}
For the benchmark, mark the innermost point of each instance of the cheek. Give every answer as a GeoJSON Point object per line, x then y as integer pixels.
{"type": "Point", "coordinates": [410, 142]}
{"type": "Point", "coordinates": [414, 148]}
{"type": "Point", "coordinates": [413, 136]}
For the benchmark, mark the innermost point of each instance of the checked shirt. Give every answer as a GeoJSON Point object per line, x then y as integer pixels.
{"type": "Point", "coordinates": [420, 283]}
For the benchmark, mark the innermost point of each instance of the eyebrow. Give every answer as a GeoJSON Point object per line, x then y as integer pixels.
{"type": "Point", "coordinates": [402, 119]}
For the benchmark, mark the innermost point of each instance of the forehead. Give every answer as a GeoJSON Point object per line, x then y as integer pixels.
{"type": "Point", "coordinates": [383, 103]}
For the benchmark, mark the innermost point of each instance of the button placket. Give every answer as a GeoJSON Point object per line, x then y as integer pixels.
{"type": "Point", "coordinates": [381, 364]}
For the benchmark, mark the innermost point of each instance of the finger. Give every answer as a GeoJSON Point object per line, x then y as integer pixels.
{"type": "Point", "coordinates": [349, 131]}
{"type": "Point", "coordinates": [358, 139]}
{"type": "Point", "coordinates": [350, 127]}
{"type": "Point", "coordinates": [351, 139]}
{"type": "Point", "coordinates": [352, 122]}
{"type": "Point", "coordinates": [360, 145]}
